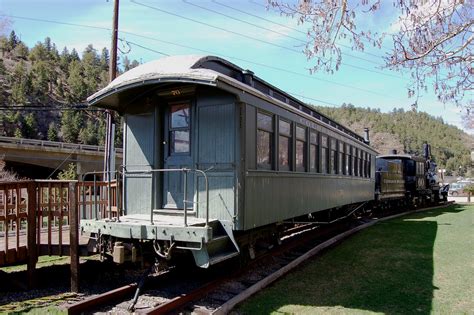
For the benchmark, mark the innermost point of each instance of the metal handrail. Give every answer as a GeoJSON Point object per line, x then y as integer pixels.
{"type": "Point", "coordinates": [185, 172]}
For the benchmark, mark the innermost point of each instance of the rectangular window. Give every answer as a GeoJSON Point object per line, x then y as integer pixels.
{"type": "Point", "coordinates": [179, 131]}
{"type": "Point", "coordinates": [369, 165]}
{"type": "Point", "coordinates": [179, 141]}
{"type": "Point", "coordinates": [300, 149]}
{"type": "Point", "coordinates": [351, 161]}
{"type": "Point", "coordinates": [264, 141]}
{"type": "Point", "coordinates": [367, 170]}
{"type": "Point", "coordinates": [324, 155]}
{"type": "Point", "coordinates": [340, 157]}
{"type": "Point", "coordinates": [347, 159]}
{"type": "Point", "coordinates": [356, 162]}
{"type": "Point", "coordinates": [333, 157]}
{"type": "Point", "coordinates": [284, 146]}
{"type": "Point", "coordinates": [314, 152]}
{"type": "Point", "coordinates": [361, 168]}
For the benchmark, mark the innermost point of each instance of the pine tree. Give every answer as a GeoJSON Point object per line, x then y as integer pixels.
{"type": "Point", "coordinates": [47, 44]}
{"type": "Point", "coordinates": [3, 70]}
{"type": "Point", "coordinates": [104, 60]}
{"type": "Point", "coordinates": [18, 133]}
{"type": "Point", "coordinates": [40, 77]}
{"type": "Point", "coordinates": [20, 84]}
{"type": "Point", "coordinates": [91, 66]}
{"type": "Point", "coordinates": [70, 126]}
{"type": "Point", "coordinates": [134, 64]}
{"type": "Point", "coordinates": [64, 59]}
{"type": "Point", "coordinates": [88, 134]}
{"type": "Point", "coordinates": [12, 41]}
{"type": "Point", "coordinates": [126, 64]}
{"type": "Point", "coordinates": [76, 82]}
{"type": "Point", "coordinates": [4, 45]}
{"type": "Point", "coordinates": [39, 53]}
{"type": "Point", "coordinates": [30, 127]}
{"type": "Point", "coordinates": [52, 132]}
{"type": "Point", "coordinates": [20, 51]}
{"type": "Point", "coordinates": [74, 55]}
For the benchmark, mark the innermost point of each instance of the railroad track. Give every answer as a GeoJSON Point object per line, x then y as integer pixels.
{"type": "Point", "coordinates": [219, 292]}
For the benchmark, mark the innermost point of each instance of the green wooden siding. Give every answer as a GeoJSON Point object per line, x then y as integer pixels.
{"type": "Point", "coordinates": [139, 155]}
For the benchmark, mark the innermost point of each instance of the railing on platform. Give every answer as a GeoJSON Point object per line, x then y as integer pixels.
{"type": "Point", "coordinates": [184, 172]}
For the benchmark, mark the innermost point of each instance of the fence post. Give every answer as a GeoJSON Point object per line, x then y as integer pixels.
{"type": "Point", "coordinates": [31, 232]}
{"type": "Point", "coordinates": [74, 236]}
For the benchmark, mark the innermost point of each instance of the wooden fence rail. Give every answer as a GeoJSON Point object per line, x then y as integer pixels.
{"type": "Point", "coordinates": [40, 217]}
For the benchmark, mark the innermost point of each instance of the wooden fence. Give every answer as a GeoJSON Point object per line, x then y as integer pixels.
{"type": "Point", "coordinates": [41, 217]}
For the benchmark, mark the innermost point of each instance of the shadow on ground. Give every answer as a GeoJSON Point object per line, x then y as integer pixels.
{"type": "Point", "coordinates": [387, 268]}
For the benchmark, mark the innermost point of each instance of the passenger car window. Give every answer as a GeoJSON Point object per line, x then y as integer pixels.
{"type": "Point", "coordinates": [324, 154]}
{"type": "Point", "coordinates": [284, 146]}
{"type": "Point", "coordinates": [300, 149]}
{"type": "Point", "coordinates": [264, 141]}
{"type": "Point", "coordinates": [314, 152]}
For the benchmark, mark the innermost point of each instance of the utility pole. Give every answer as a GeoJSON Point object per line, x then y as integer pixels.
{"type": "Point", "coordinates": [109, 156]}
{"type": "Point", "coordinates": [113, 56]}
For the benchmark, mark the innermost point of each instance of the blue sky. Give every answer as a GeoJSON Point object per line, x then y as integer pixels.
{"type": "Point", "coordinates": [360, 82]}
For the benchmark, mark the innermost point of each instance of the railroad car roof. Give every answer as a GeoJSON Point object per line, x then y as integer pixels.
{"type": "Point", "coordinates": [204, 70]}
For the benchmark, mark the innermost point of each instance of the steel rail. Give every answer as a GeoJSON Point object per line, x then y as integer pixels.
{"type": "Point", "coordinates": [101, 299]}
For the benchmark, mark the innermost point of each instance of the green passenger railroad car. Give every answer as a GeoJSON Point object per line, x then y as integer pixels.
{"type": "Point", "coordinates": [213, 154]}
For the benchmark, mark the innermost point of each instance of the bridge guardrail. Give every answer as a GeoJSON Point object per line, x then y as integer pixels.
{"type": "Point", "coordinates": [55, 144]}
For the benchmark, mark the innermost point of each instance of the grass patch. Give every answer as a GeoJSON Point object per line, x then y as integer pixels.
{"type": "Point", "coordinates": [43, 261]}
{"type": "Point", "coordinates": [46, 261]}
{"type": "Point", "coordinates": [421, 263]}
{"type": "Point", "coordinates": [43, 305]}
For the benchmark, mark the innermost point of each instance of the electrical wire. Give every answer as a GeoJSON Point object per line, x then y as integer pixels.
{"type": "Point", "coordinates": [252, 38]}
{"type": "Point", "coordinates": [273, 31]}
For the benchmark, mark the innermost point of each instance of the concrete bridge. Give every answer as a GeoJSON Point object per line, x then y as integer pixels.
{"type": "Point", "coordinates": [53, 155]}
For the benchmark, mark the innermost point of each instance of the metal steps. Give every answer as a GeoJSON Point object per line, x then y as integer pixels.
{"type": "Point", "coordinates": [221, 247]}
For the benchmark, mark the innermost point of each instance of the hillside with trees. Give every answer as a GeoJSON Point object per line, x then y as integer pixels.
{"type": "Point", "coordinates": [42, 91]}
{"type": "Point", "coordinates": [406, 131]}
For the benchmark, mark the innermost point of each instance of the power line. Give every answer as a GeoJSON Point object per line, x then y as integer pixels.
{"type": "Point", "coordinates": [55, 22]}
{"type": "Point", "coordinates": [252, 38]}
{"type": "Point", "coordinates": [207, 52]}
{"type": "Point", "coordinates": [289, 27]}
{"type": "Point", "coordinates": [264, 6]}
{"type": "Point", "coordinates": [143, 47]}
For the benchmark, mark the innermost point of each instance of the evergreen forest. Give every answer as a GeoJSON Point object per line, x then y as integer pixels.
{"type": "Point", "coordinates": [43, 91]}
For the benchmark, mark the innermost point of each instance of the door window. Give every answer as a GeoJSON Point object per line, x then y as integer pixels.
{"type": "Point", "coordinates": [179, 129]}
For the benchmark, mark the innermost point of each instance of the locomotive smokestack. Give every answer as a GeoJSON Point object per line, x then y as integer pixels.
{"type": "Point", "coordinates": [366, 135]}
{"type": "Point", "coordinates": [426, 150]}
{"type": "Point", "coordinates": [393, 151]}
